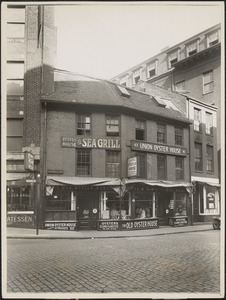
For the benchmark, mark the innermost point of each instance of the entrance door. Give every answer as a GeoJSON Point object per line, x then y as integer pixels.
{"type": "Point", "coordinates": [87, 209]}
{"type": "Point", "coordinates": [163, 207]}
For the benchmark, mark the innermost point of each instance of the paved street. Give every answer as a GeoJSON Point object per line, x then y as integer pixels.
{"type": "Point", "coordinates": [188, 262]}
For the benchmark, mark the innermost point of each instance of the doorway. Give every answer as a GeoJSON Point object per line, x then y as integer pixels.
{"type": "Point", "coordinates": [87, 209]}
{"type": "Point", "coordinates": [163, 207]}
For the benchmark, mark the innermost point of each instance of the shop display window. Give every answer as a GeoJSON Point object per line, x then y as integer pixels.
{"type": "Point", "coordinates": [209, 200]}
{"type": "Point", "coordinates": [143, 205]}
{"type": "Point", "coordinates": [111, 208]}
{"type": "Point", "coordinates": [180, 204]}
{"type": "Point", "coordinates": [59, 200]}
{"type": "Point", "coordinates": [18, 199]}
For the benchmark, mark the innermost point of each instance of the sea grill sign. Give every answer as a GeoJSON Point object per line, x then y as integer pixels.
{"type": "Point", "coordinates": [101, 143]}
{"type": "Point", "coordinates": [151, 147]}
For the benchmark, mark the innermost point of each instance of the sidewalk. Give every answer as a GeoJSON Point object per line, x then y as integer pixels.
{"type": "Point", "coordinates": [24, 233]}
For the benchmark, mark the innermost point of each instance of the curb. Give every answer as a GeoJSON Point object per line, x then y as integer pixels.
{"type": "Point", "coordinates": [101, 237]}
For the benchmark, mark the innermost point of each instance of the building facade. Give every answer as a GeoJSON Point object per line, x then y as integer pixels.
{"type": "Point", "coordinates": [203, 149]}
{"type": "Point", "coordinates": [113, 159]}
{"type": "Point", "coordinates": [192, 67]}
{"type": "Point", "coordinates": [30, 50]}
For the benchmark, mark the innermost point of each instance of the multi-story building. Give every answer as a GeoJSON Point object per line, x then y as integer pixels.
{"type": "Point", "coordinates": [203, 150]}
{"type": "Point", "coordinates": [192, 67]}
{"type": "Point", "coordinates": [112, 157]}
{"type": "Point", "coordinates": [30, 50]}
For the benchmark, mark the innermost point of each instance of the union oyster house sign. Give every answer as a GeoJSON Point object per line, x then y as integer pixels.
{"type": "Point", "coordinates": [101, 143]}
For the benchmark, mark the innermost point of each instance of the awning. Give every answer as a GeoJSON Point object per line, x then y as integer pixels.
{"type": "Point", "coordinates": [18, 179]}
{"type": "Point", "coordinates": [76, 181]}
{"type": "Point", "coordinates": [160, 183]}
{"type": "Point", "coordinates": [206, 182]}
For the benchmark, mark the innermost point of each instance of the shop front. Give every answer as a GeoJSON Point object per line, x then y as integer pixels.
{"type": "Point", "coordinates": [20, 200]}
{"type": "Point", "coordinates": [113, 204]}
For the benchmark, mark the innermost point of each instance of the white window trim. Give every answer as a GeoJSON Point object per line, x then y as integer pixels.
{"type": "Point", "coordinates": [191, 43]}
{"type": "Point", "coordinates": [203, 75]}
{"type": "Point", "coordinates": [205, 202]}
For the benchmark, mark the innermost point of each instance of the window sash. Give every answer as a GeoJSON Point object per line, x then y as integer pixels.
{"type": "Point", "coordinates": [198, 157]}
{"type": "Point", "coordinates": [83, 162]}
{"type": "Point", "coordinates": [179, 167]}
{"type": "Point", "coordinates": [113, 163]}
{"type": "Point", "coordinates": [83, 125]}
{"type": "Point", "coordinates": [112, 125]}
{"type": "Point", "coordinates": [161, 167]}
{"type": "Point", "coordinates": [179, 136]}
{"type": "Point", "coordinates": [209, 123]}
{"type": "Point", "coordinates": [161, 133]}
{"type": "Point", "coordinates": [208, 85]}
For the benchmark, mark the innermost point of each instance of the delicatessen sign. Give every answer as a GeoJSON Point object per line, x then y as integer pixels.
{"type": "Point", "coordinates": [101, 143]}
{"type": "Point", "coordinates": [150, 147]}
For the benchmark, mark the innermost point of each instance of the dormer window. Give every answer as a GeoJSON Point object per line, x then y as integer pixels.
{"type": "Point", "coordinates": [212, 39]}
{"type": "Point", "coordinates": [192, 48]}
{"type": "Point", "coordinates": [173, 58]}
{"type": "Point", "coordinates": [152, 69]}
{"type": "Point", "coordinates": [136, 77]}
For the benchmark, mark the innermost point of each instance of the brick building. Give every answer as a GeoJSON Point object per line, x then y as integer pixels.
{"type": "Point", "coordinates": [108, 149]}
{"type": "Point", "coordinates": [30, 51]}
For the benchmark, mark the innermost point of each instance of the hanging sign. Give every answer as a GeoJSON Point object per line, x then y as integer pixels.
{"type": "Point", "coordinates": [28, 161]}
{"type": "Point", "coordinates": [132, 166]}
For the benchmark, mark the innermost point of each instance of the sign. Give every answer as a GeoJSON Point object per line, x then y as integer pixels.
{"type": "Point", "coordinates": [156, 148]}
{"type": "Point", "coordinates": [61, 225]}
{"type": "Point", "coordinates": [171, 204]}
{"type": "Point", "coordinates": [108, 225]}
{"type": "Point", "coordinates": [132, 166]}
{"type": "Point", "coordinates": [90, 143]}
{"type": "Point", "coordinates": [20, 220]}
{"type": "Point", "coordinates": [28, 161]}
{"type": "Point", "coordinates": [31, 180]}
{"type": "Point", "coordinates": [178, 221]}
{"type": "Point", "coordinates": [94, 210]}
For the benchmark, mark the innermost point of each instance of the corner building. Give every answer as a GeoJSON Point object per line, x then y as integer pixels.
{"type": "Point", "coordinates": [113, 158]}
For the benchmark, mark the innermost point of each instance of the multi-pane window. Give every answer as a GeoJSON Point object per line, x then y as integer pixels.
{"type": "Point", "coordinates": [15, 78]}
{"type": "Point", "coordinates": [212, 39]}
{"type": "Point", "coordinates": [19, 199]}
{"type": "Point", "coordinates": [83, 162]}
{"type": "Point", "coordinates": [15, 21]}
{"type": "Point", "coordinates": [209, 123]}
{"type": "Point", "coordinates": [140, 130]}
{"type": "Point", "coordinates": [136, 76]}
{"type": "Point", "coordinates": [179, 167]}
{"type": "Point", "coordinates": [14, 135]}
{"type": "Point", "coordinates": [197, 119]}
{"type": "Point", "coordinates": [172, 58]}
{"type": "Point", "coordinates": [192, 49]}
{"type": "Point", "coordinates": [198, 157]}
{"type": "Point", "coordinates": [112, 125]}
{"type": "Point", "coordinates": [209, 152]}
{"type": "Point", "coordinates": [161, 166]}
{"type": "Point", "coordinates": [208, 82]}
{"type": "Point", "coordinates": [151, 69]}
{"type": "Point", "coordinates": [113, 163]}
{"type": "Point", "coordinates": [180, 86]}
{"type": "Point", "coordinates": [178, 136]}
{"type": "Point", "coordinates": [83, 124]}
{"type": "Point", "coordinates": [161, 133]}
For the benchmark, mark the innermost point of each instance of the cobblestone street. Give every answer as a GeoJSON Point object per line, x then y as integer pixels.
{"type": "Point", "coordinates": [169, 263]}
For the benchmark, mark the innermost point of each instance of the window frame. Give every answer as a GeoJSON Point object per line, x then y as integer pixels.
{"type": "Point", "coordinates": [194, 45]}
{"type": "Point", "coordinates": [152, 67]}
{"type": "Point", "coordinates": [81, 166]}
{"type": "Point", "coordinates": [85, 131]}
{"type": "Point", "coordinates": [198, 122]}
{"type": "Point", "coordinates": [209, 83]}
{"type": "Point", "coordinates": [198, 159]}
{"type": "Point", "coordinates": [111, 163]}
{"type": "Point", "coordinates": [140, 129]}
{"type": "Point", "coordinates": [178, 170]}
{"type": "Point", "coordinates": [209, 125]}
{"type": "Point", "coordinates": [181, 136]}
{"type": "Point", "coordinates": [172, 61]}
{"type": "Point", "coordinates": [210, 159]}
{"type": "Point", "coordinates": [112, 116]}
{"type": "Point", "coordinates": [16, 136]}
{"type": "Point", "coordinates": [18, 78]}
{"type": "Point", "coordinates": [159, 175]}
{"type": "Point", "coordinates": [161, 133]}
{"type": "Point", "coordinates": [214, 42]}
{"type": "Point", "coordinates": [180, 83]}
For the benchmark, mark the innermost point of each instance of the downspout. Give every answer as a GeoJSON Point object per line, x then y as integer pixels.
{"type": "Point", "coordinates": [189, 132]}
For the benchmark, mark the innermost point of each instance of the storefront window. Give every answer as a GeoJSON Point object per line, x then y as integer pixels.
{"type": "Point", "coordinates": [18, 199]}
{"type": "Point", "coordinates": [210, 200]}
{"type": "Point", "coordinates": [110, 206]}
{"type": "Point", "coordinates": [60, 199]}
{"type": "Point", "coordinates": [143, 205]}
{"type": "Point", "coordinates": [180, 204]}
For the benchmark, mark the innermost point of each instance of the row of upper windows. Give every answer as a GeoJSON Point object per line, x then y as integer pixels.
{"type": "Point", "coordinates": [15, 130]}
{"type": "Point", "coordinates": [207, 83]}
{"type": "Point", "coordinates": [173, 57]}
{"type": "Point", "coordinates": [113, 159]}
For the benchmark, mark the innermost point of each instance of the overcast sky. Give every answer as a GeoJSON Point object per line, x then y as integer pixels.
{"type": "Point", "coordinates": [105, 39]}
